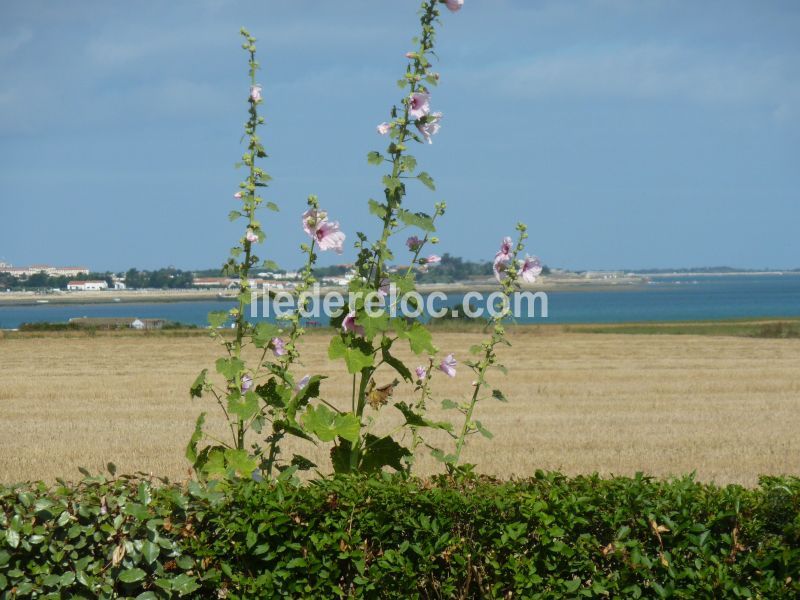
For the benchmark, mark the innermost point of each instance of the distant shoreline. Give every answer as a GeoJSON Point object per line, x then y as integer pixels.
{"type": "Point", "coordinates": [545, 284]}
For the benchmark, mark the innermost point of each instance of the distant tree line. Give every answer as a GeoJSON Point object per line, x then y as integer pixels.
{"type": "Point", "coordinates": [41, 281]}
{"type": "Point", "coordinates": [168, 278]}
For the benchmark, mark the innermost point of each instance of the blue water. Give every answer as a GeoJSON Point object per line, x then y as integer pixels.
{"type": "Point", "coordinates": [664, 299]}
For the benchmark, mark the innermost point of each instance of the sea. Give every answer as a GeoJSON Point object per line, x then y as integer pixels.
{"type": "Point", "coordinates": [664, 298]}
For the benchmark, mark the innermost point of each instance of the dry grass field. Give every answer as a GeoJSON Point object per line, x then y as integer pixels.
{"type": "Point", "coordinates": [725, 407]}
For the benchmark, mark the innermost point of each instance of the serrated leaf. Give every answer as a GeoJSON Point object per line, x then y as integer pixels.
{"type": "Point", "coordinates": [382, 452]}
{"type": "Point", "coordinates": [263, 333]}
{"type": "Point", "coordinates": [217, 318]}
{"type": "Point", "coordinates": [229, 367]}
{"type": "Point", "coordinates": [243, 406]}
{"type": "Point", "coordinates": [427, 180]}
{"type": "Point", "coordinates": [199, 384]}
{"type": "Point", "coordinates": [354, 356]}
{"type": "Point", "coordinates": [374, 158]}
{"type": "Point", "coordinates": [418, 219]}
{"type": "Point", "coordinates": [377, 209]}
{"type": "Point", "coordinates": [498, 395]}
{"type": "Point", "coordinates": [328, 425]}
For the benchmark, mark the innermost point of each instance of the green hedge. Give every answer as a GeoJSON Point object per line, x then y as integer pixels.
{"type": "Point", "coordinates": [547, 537]}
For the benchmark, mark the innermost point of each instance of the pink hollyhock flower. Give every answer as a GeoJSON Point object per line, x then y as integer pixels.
{"type": "Point", "coordinates": [411, 55]}
{"type": "Point", "coordinates": [255, 93]}
{"type": "Point", "coordinates": [448, 365]}
{"type": "Point", "coordinates": [432, 259]}
{"type": "Point", "coordinates": [329, 237]}
{"type": "Point", "coordinates": [384, 128]}
{"type": "Point", "coordinates": [238, 195]}
{"type": "Point", "coordinates": [250, 236]}
{"type": "Point", "coordinates": [278, 346]}
{"type": "Point", "coordinates": [454, 5]}
{"type": "Point", "coordinates": [247, 383]}
{"type": "Point", "coordinates": [312, 219]}
{"type": "Point", "coordinates": [530, 268]}
{"type": "Point", "coordinates": [384, 288]}
{"type": "Point", "coordinates": [419, 105]}
{"type": "Point", "coordinates": [349, 324]}
{"type": "Point", "coordinates": [302, 383]}
{"type": "Point", "coordinates": [430, 126]}
{"type": "Point", "coordinates": [502, 257]}
{"type": "Point", "coordinates": [422, 373]}
{"type": "Point", "coordinates": [414, 243]}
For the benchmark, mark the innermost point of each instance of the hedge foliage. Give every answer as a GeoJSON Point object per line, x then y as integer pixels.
{"type": "Point", "coordinates": [546, 537]}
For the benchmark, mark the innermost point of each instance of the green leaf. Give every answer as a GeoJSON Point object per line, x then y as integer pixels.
{"type": "Point", "coordinates": [408, 163]}
{"type": "Point", "coordinates": [416, 420]}
{"type": "Point", "coordinates": [483, 431]}
{"type": "Point", "coordinates": [382, 452]}
{"type": "Point", "coordinates": [418, 219]}
{"type": "Point", "coordinates": [150, 551]}
{"type": "Point", "coordinates": [392, 183]}
{"type": "Point", "coordinates": [328, 425]}
{"type": "Point", "coordinates": [419, 339]}
{"type": "Point", "coordinates": [449, 404]}
{"type": "Point", "coordinates": [196, 391]}
{"type": "Point", "coordinates": [12, 538]}
{"type": "Point", "coordinates": [273, 207]}
{"type": "Point", "coordinates": [427, 180]}
{"type": "Point", "coordinates": [132, 575]}
{"type": "Point", "coordinates": [229, 367]}
{"type": "Point", "coordinates": [233, 215]}
{"type": "Point", "coordinates": [217, 318]}
{"type": "Point", "coordinates": [393, 361]}
{"type": "Point", "coordinates": [243, 406]}
{"type": "Point", "coordinates": [184, 584]}
{"type": "Point", "coordinates": [498, 395]}
{"type": "Point", "coordinates": [263, 333]}
{"type": "Point", "coordinates": [240, 461]}
{"type": "Point", "coordinates": [374, 158]}
{"type": "Point", "coordinates": [373, 325]}
{"type": "Point", "coordinates": [377, 209]}
{"type": "Point", "coordinates": [191, 448]}
{"type": "Point", "coordinates": [354, 356]}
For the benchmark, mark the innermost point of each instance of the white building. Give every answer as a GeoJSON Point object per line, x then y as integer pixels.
{"type": "Point", "coordinates": [47, 269]}
{"type": "Point", "coordinates": [87, 286]}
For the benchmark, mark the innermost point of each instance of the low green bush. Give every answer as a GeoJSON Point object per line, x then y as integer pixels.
{"type": "Point", "coordinates": [546, 537]}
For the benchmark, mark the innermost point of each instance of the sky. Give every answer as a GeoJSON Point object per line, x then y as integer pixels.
{"type": "Point", "coordinates": [625, 133]}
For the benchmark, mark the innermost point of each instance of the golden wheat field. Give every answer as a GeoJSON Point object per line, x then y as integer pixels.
{"type": "Point", "coordinates": [724, 407]}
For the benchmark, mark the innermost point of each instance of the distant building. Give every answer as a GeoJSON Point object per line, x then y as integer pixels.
{"type": "Point", "coordinates": [87, 286]}
{"type": "Point", "coordinates": [46, 269]}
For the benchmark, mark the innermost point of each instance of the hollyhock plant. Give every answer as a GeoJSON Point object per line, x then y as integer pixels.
{"type": "Point", "coordinates": [278, 346]}
{"type": "Point", "coordinates": [530, 268]}
{"type": "Point", "coordinates": [419, 105]}
{"type": "Point", "coordinates": [349, 324]}
{"type": "Point", "coordinates": [448, 366]}
{"type": "Point", "coordinates": [429, 126]}
{"type": "Point", "coordinates": [384, 128]}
